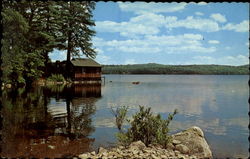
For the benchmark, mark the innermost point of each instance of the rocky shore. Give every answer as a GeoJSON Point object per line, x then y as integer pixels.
{"type": "Point", "coordinates": [187, 144]}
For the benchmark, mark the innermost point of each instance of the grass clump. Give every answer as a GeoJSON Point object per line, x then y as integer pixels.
{"type": "Point", "coordinates": [120, 114]}
{"type": "Point", "coordinates": [144, 126]}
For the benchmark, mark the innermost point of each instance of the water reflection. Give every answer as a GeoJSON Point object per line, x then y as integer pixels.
{"type": "Point", "coordinates": [35, 126]}
{"type": "Point", "coordinates": [217, 104]}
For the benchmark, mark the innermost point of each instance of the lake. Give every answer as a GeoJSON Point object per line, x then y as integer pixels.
{"type": "Point", "coordinates": [63, 121]}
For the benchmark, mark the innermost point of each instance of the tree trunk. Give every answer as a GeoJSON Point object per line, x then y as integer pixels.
{"type": "Point", "coordinates": [68, 57]}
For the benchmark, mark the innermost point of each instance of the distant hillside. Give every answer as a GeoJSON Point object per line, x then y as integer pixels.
{"type": "Point", "coordinates": [153, 68]}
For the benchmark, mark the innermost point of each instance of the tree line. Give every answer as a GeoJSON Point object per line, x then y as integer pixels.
{"type": "Point", "coordinates": [175, 69]}
{"type": "Point", "coordinates": [32, 29]}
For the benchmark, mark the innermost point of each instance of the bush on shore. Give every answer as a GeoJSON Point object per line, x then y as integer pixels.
{"type": "Point", "coordinates": [144, 126]}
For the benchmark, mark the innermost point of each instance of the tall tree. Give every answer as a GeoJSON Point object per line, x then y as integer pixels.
{"type": "Point", "coordinates": [22, 45]}
{"type": "Point", "coordinates": [77, 29]}
{"type": "Point", "coordinates": [14, 29]}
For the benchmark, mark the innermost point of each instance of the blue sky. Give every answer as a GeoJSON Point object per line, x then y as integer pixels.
{"type": "Point", "coordinates": [170, 33]}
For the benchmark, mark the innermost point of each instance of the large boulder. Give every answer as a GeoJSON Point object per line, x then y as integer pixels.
{"type": "Point", "coordinates": [192, 141]}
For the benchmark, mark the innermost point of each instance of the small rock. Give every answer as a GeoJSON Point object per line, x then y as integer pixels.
{"type": "Point", "coordinates": [181, 157]}
{"type": "Point", "coordinates": [176, 142]}
{"type": "Point", "coordinates": [177, 152]}
{"type": "Point", "coordinates": [137, 145]}
{"type": "Point", "coordinates": [154, 157]}
{"type": "Point", "coordinates": [170, 146]}
{"type": "Point", "coordinates": [101, 150]}
{"type": "Point", "coordinates": [121, 147]}
{"type": "Point", "coordinates": [198, 131]}
{"type": "Point", "coordinates": [83, 156]}
{"type": "Point", "coordinates": [92, 153]}
{"type": "Point", "coordinates": [135, 152]}
{"type": "Point", "coordinates": [182, 148]}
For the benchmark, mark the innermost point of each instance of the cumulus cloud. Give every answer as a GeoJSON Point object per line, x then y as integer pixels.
{"type": "Point", "coordinates": [152, 7]}
{"type": "Point", "coordinates": [151, 24]}
{"type": "Point", "coordinates": [218, 17]}
{"type": "Point", "coordinates": [157, 44]}
{"type": "Point", "coordinates": [198, 13]}
{"type": "Point", "coordinates": [241, 27]}
{"type": "Point", "coordinates": [127, 29]}
{"type": "Point", "coordinates": [190, 22]}
{"type": "Point", "coordinates": [213, 42]}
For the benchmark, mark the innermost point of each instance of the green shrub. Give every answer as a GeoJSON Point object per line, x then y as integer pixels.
{"type": "Point", "coordinates": [56, 78]}
{"type": "Point", "coordinates": [149, 128]}
{"type": "Point", "coordinates": [120, 114]}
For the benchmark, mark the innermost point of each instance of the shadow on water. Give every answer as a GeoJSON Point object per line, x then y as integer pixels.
{"type": "Point", "coordinates": [35, 126]}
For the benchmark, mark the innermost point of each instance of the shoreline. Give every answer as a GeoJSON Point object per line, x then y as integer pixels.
{"type": "Point", "coordinates": [186, 144]}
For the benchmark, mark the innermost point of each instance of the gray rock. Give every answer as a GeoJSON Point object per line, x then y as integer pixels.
{"type": "Point", "coordinates": [193, 139]}
{"type": "Point", "coordinates": [182, 148]}
{"type": "Point", "coordinates": [92, 153]}
{"type": "Point", "coordinates": [176, 142]}
{"type": "Point", "coordinates": [101, 150]}
{"type": "Point", "coordinates": [137, 145]}
{"type": "Point", "coordinates": [83, 156]}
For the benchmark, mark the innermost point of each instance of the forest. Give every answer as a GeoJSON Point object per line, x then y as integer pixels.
{"type": "Point", "coordinates": [33, 29]}
{"type": "Point", "coordinates": [153, 68]}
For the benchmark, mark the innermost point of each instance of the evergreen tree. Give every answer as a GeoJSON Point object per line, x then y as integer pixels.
{"type": "Point", "coordinates": [21, 44]}
{"type": "Point", "coordinates": [14, 29]}
{"type": "Point", "coordinates": [77, 29]}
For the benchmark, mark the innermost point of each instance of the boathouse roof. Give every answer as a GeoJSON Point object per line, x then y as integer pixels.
{"type": "Point", "coordinates": [85, 62]}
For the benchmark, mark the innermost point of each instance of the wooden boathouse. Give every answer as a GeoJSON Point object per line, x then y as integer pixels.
{"type": "Point", "coordinates": [86, 70]}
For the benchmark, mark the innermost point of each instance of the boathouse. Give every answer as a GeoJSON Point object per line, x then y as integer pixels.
{"type": "Point", "coordinates": [85, 69]}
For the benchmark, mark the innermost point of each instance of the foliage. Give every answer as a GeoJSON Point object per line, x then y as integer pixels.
{"type": "Point", "coordinates": [12, 46]}
{"type": "Point", "coordinates": [56, 78]}
{"type": "Point", "coordinates": [77, 29]}
{"type": "Point", "coordinates": [148, 128]}
{"type": "Point", "coordinates": [153, 68]}
{"type": "Point", "coordinates": [32, 29]}
{"type": "Point", "coordinates": [120, 114]}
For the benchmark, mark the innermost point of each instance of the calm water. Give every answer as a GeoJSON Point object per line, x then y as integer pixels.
{"type": "Point", "coordinates": [66, 121]}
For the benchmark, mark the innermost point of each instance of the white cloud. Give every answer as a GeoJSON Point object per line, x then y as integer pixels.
{"type": "Point", "coordinates": [218, 17]}
{"type": "Point", "coordinates": [195, 23]}
{"type": "Point", "coordinates": [247, 43]}
{"type": "Point", "coordinates": [241, 27]}
{"type": "Point", "coordinates": [152, 7]}
{"type": "Point", "coordinates": [226, 60]}
{"type": "Point", "coordinates": [213, 42]}
{"type": "Point", "coordinates": [150, 24]}
{"type": "Point", "coordinates": [178, 44]}
{"type": "Point", "coordinates": [126, 29]}
{"type": "Point", "coordinates": [198, 13]}
{"type": "Point", "coordinates": [101, 58]}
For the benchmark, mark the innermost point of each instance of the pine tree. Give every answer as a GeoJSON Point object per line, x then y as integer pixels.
{"type": "Point", "coordinates": [77, 29]}
{"type": "Point", "coordinates": [14, 29]}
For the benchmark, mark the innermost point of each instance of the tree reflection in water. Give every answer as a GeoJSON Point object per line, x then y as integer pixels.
{"type": "Point", "coordinates": [29, 129]}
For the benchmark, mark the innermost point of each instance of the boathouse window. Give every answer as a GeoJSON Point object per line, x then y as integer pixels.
{"type": "Point", "coordinates": [83, 70]}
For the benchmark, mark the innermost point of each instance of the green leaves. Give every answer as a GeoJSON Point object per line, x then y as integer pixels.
{"type": "Point", "coordinates": [144, 126]}
{"type": "Point", "coordinates": [32, 29]}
